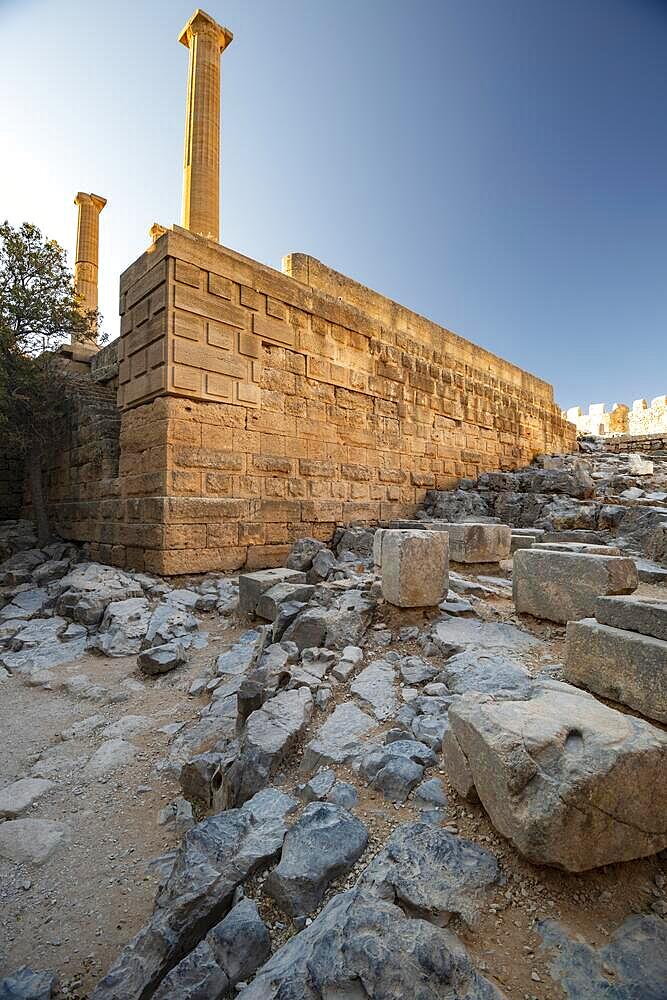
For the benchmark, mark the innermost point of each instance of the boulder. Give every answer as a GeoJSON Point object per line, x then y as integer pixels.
{"type": "Point", "coordinates": [169, 622]}
{"type": "Point", "coordinates": [20, 795]}
{"type": "Point", "coordinates": [215, 857]}
{"type": "Point", "coordinates": [30, 841]}
{"type": "Point", "coordinates": [360, 946]}
{"type": "Point", "coordinates": [253, 585]}
{"type": "Point", "coordinates": [84, 593]}
{"type": "Point", "coordinates": [323, 845]}
{"type": "Point", "coordinates": [636, 614]}
{"type": "Point", "coordinates": [123, 627]}
{"type": "Point", "coordinates": [162, 659]}
{"type": "Point", "coordinates": [415, 567]}
{"type": "Point", "coordinates": [628, 667]}
{"type": "Point", "coordinates": [303, 552]}
{"type": "Point", "coordinates": [25, 984]}
{"type": "Point", "coordinates": [571, 782]}
{"type": "Point", "coordinates": [433, 873]}
{"type": "Point", "coordinates": [564, 586]}
{"type": "Point", "coordinates": [479, 542]}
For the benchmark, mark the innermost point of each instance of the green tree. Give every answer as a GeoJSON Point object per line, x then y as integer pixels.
{"type": "Point", "coordinates": [39, 311]}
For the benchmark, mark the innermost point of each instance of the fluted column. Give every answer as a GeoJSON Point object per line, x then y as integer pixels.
{"type": "Point", "coordinates": [86, 263]}
{"type": "Point", "coordinates": [205, 39]}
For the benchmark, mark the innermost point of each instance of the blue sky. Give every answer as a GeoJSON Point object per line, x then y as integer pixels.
{"type": "Point", "coordinates": [498, 165]}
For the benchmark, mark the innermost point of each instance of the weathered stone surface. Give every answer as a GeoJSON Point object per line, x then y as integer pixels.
{"type": "Point", "coordinates": [478, 543]}
{"type": "Point", "coordinates": [169, 622]}
{"type": "Point", "coordinates": [229, 954]}
{"type": "Point", "coordinates": [215, 857]}
{"type": "Point", "coordinates": [351, 658]}
{"type": "Point", "coordinates": [563, 586]}
{"type": "Point", "coordinates": [309, 628]}
{"type": "Point", "coordinates": [484, 673]}
{"type": "Point", "coordinates": [633, 963]}
{"type": "Point", "coordinates": [37, 632]}
{"type": "Point", "coordinates": [239, 658]}
{"type": "Point", "coordinates": [571, 782]}
{"type": "Point", "coordinates": [432, 874]}
{"type": "Point", "coordinates": [359, 947]}
{"type": "Point", "coordinates": [491, 637]}
{"type": "Point", "coordinates": [30, 841]}
{"type": "Point", "coordinates": [343, 794]}
{"type": "Point", "coordinates": [303, 552]}
{"type": "Point", "coordinates": [396, 768]}
{"type": "Point", "coordinates": [25, 984]}
{"type": "Point", "coordinates": [162, 659]}
{"type": "Point", "coordinates": [270, 734]}
{"type": "Point", "coordinates": [111, 755]}
{"type": "Point", "coordinates": [268, 605]}
{"type": "Point", "coordinates": [324, 844]}
{"type": "Point", "coordinates": [416, 671]}
{"type": "Point", "coordinates": [637, 614]}
{"type": "Point", "coordinates": [624, 666]}
{"type": "Point", "coordinates": [123, 627]}
{"type": "Point", "coordinates": [315, 665]}
{"type": "Point", "coordinates": [20, 795]}
{"type": "Point", "coordinates": [318, 787]}
{"type": "Point", "coordinates": [415, 568]}
{"type": "Point", "coordinates": [339, 739]}
{"type": "Point", "coordinates": [375, 686]}
{"type": "Point", "coordinates": [84, 593]}
{"type": "Point", "coordinates": [639, 466]}
{"type": "Point", "coordinates": [253, 585]}
{"type": "Point", "coordinates": [26, 605]}
{"type": "Point", "coordinates": [580, 548]}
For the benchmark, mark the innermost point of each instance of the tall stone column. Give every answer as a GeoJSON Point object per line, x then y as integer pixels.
{"type": "Point", "coordinates": [205, 39]}
{"type": "Point", "coordinates": [87, 249]}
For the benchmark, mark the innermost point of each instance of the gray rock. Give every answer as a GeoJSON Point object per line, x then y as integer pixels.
{"type": "Point", "coordinates": [270, 734]}
{"type": "Point", "coordinates": [318, 787]}
{"type": "Point", "coordinates": [432, 874]}
{"type": "Point", "coordinates": [111, 755]}
{"type": "Point", "coordinates": [46, 656]}
{"type": "Point", "coordinates": [360, 946]}
{"type": "Point", "coordinates": [30, 841]}
{"type": "Point", "coordinates": [431, 792]}
{"type": "Point", "coordinates": [343, 794]}
{"type": "Point", "coordinates": [162, 659]}
{"type": "Point", "coordinates": [52, 569]}
{"type": "Point", "coordinates": [358, 541]}
{"type": "Point", "coordinates": [396, 768]}
{"type": "Point", "coordinates": [338, 740]}
{"type": "Point", "coordinates": [84, 593]}
{"type": "Point", "coordinates": [37, 632]}
{"type": "Point", "coordinates": [169, 622]}
{"type": "Point", "coordinates": [571, 782]}
{"type": "Point", "coordinates": [20, 795]}
{"type": "Point", "coordinates": [375, 686]}
{"type": "Point", "coordinates": [416, 671]}
{"type": "Point", "coordinates": [26, 605]}
{"type": "Point", "coordinates": [430, 730]}
{"type": "Point", "coordinates": [124, 627]}
{"type": "Point", "coordinates": [324, 844]}
{"type": "Point", "coordinates": [25, 984]}
{"type": "Point", "coordinates": [309, 628]}
{"type": "Point", "coordinates": [484, 673]}
{"type": "Point", "coordinates": [85, 727]}
{"type": "Point", "coordinates": [496, 637]}
{"type": "Point", "coordinates": [352, 658]}
{"type": "Point", "coordinates": [323, 566]}
{"type": "Point", "coordinates": [637, 614]}
{"type": "Point", "coordinates": [216, 856]}
{"type": "Point", "coordinates": [269, 604]}
{"type": "Point", "coordinates": [303, 552]}
{"type": "Point", "coordinates": [628, 667]}
{"type": "Point", "coordinates": [240, 657]}
{"type": "Point", "coordinates": [253, 585]}
{"type": "Point", "coordinates": [478, 542]}
{"type": "Point", "coordinates": [632, 965]}
{"type": "Point", "coordinates": [178, 814]}
{"type": "Point", "coordinates": [127, 725]}
{"type": "Point", "coordinates": [315, 666]}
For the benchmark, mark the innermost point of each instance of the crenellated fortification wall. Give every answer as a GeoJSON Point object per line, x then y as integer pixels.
{"type": "Point", "coordinates": [642, 418]}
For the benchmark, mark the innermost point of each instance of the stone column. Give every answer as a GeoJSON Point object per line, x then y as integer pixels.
{"type": "Point", "coordinates": [87, 248]}
{"type": "Point", "coordinates": [205, 39]}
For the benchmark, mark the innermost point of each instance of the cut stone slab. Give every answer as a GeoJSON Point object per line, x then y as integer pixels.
{"type": "Point", "coordinates": [433, 873]}
{"type": "Point", "coordinates": [636, 614]}
{"type": "Point", "coordinates": [268, 605]}
{"type": "Point", "coordinates": [624, 666]}
{"type": "Point", "coordinates": [478, 542]}
{"type": "Point", "coordinates": [215, 857]}
{"type": "Point", "coordinates": [20, 795]}
{"type": "Point", "coordinates": [639, 466]}
{"type": "Point", "coordinates": [30, 841]}
{"type": "Point", "coordinates": [492, 637]}
{"type": "Point", "coordinates": [415, 568]}
{"type": "Point", "coordinates": [360, 946]}
{"type": "Point", "coordinates": [253, 585]}
{"type": "Point", "coordinates": [270, 734]}
{"type": "Point", "coordinates": [339, 739]}
{"type": "Point", "coordinates": [564, 586]}
{"type": "Point", "coordinates": [581, 548]}
{"type": "Point", "coordinates": [571, 782]}
{"type": "Point", "coordinates": [375, 686]}
{"type": "Point", "coordinates": [484, 673]}
{"type": "Point", "coordinates": [651, 572]}
{"type": "Point", "coordinates": [323, 845]}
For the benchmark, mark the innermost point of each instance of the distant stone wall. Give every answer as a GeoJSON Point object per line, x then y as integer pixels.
{"type": "Point", "coordinates": [637, 442]}
{"type": "Point", "coordinates": [11, 486]}
{"type": "Point", "coordinates": [620, 419]}
{"type": "Point", "coordinates": [259, 406]}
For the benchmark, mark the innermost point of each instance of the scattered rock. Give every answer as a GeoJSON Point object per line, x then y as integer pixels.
{"type": "Point", "coordinates": [30, 841]}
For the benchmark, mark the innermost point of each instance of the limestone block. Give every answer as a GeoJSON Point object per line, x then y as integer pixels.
{"type": "Point", "coordinates": [415, 568]}
{"type": "Point", "coordinates": [583, 548]}
{"type": "Point", "coordinates": [571, 782]}
{"type": "Point", "coordinates": [639, 466]}
{"type": "Point", "coordinates": [564, 586]}
{"type": "Point", "coordinates": [253, 585]}
{"type": "Point", "coordinates": [625, 666]}
{"type": "Point", "coordinates": [479, 542]}
{"type": "Point", "coordinates": [637, 614]}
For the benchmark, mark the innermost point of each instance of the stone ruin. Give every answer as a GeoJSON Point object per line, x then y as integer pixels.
{"type": "Point", "coordinates": [642, 419]}
{"type": "Point", "coordinates": [421, 754]}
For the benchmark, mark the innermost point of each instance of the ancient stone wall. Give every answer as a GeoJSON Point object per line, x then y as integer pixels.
{"type": "Point", "coordinates": [621, 419]}
{"type": "Point", "coordinates": [258, 406]}
{"type": "Point", "coordinates": [11, 486]}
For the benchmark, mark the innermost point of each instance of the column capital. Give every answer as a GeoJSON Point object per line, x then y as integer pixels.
{"type": "Point", "coordinates": [202, 23]}
{"type": "Point", "coordinates": [94, 199]}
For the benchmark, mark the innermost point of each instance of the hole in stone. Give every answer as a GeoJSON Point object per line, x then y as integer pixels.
{"type": "Point", "coordinates": [574, 741]}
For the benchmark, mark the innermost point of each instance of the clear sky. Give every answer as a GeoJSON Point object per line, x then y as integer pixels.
{"type": "Point", "coordinates": [498, 165]}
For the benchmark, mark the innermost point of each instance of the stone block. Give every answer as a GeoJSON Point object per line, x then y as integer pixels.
{"type": "Point", "coordinates": [637, 614]}
{"type": "Point", "coordinates": [624, 666]}
{"type": "Point", "coordinates": [564, 586]}
{"type": "Point", "coordinates": [582, 548]}
{"type": "Point", "coordinates": [479, 542]}
{"type": "Point", "coordinates": [415, 568]}
{"type": "Point", "coordinates": [253, 585]}
{"type": "Point", "coordinates": [639, 466]}
{"type": "Point", "coordinates": [268, 605]}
